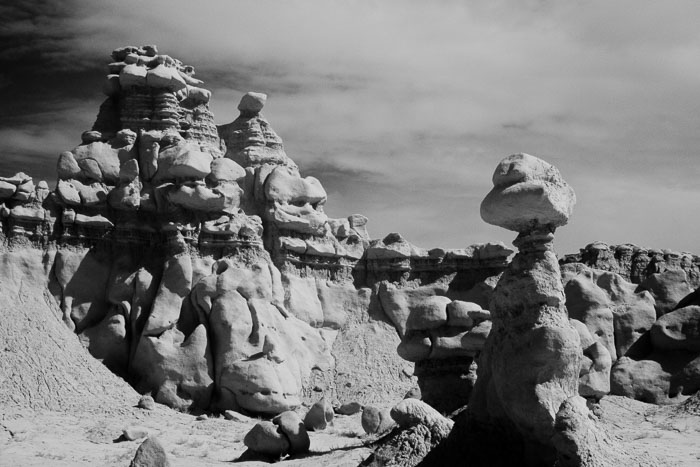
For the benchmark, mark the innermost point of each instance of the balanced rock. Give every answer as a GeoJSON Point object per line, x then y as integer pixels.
{"type": "Point", "coordinates": [252, 103]}
{"type": "Point", "coordinates": [531, 360]}
{"type": "Point", "coordinates": [293, 428]}
{"type": "Point", "coordinates": [528, 192]}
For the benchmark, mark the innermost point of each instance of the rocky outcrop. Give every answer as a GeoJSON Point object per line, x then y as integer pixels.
{"type": "Point", "coordinates": [197, 262]}
{"type": "Point", "coordinates": [636, 264]}
{"type": "Point", "coordinates": [531, 361]}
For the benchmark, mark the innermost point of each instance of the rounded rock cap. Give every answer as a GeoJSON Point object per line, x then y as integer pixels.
{"type": "Point", "coordinates": [252, 103]}
{"type": "Point", "coordinates": [528, 193]}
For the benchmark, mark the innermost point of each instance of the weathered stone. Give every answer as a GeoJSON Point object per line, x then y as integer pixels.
{"type": "Point", "coordinates": [133, 433]}
{"type": "Point", "coordinates": [528, 192]}
{"type": "Point", "coordinates": [150, 454]}
{"type": "Point", "coordinates": [191, 164]}
{"type": "Point", "coordinates": [147, 402]}
{"type": "Point", "coordinates": [678, 330]}
{"type": "Point", "coordinates": [252, 103]}
{"type": "Point", "coordinates": [376, 420]}
{"type": "Point", "coordinates": [349, 408]}
{"type": "Point", "coordinates": [293, 428]}
{"type": "Point", "coordinates": [319, 415]}
{"type": "Point", "coordinates": [6, 190]}
{"type": "Point", "coordinates": [265, 438]}
{"type": "Point", "coordinates": [225, 170]}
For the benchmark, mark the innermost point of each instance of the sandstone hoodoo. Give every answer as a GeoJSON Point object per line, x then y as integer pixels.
{"type": "Point", "coordinates": [197, 262]}
{"type": "Point", "coordinates": [530, 363]}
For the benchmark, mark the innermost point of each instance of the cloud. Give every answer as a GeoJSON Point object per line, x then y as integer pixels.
{"type": "Point", "coordinates": [403, 108]}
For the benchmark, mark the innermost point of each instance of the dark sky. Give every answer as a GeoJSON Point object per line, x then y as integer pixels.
{"type": "Point", "coordinates": [403, 108]}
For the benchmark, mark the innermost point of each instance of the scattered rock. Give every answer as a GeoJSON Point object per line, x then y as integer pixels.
{"type": "Point", "coordinates": [236, 417]}
{"type": "Point", "coordinates": [147, 402]}
{"type": "Point", "coordinates": [133, 433]}
{"type": "Point", "coordinates": [376, 420]}
{"type": "Point", "coordinates": [291, 426]}
{"type": "Point", "coordinates": [264, 438]}
{"type": "Point", "coordinates": [150, 454]}
{"type": "Point", "coordinates": [319, 415]}
{"type": "Point", "coordinates": [349, 408]}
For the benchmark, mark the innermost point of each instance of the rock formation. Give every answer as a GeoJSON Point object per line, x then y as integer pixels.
{"type": "Point", "coordinates": [535, 359]}
{"type": "Point", "coordinates": [530, 363]}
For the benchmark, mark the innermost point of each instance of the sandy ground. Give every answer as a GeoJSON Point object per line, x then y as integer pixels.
{"type": "Point", "coordinates": [45, 438]}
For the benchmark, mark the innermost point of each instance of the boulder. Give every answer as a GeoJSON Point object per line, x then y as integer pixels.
{"type": "Point", "coordinates": [225, 170]}
{"type": "Point", "coordinates": [132, 75]}
{"type": "Point", "coordinates": [265, 438]}
{"type": "Point", "coordinates": [319, 415]}
{"type": "Point", "coordinates": [349, 408]}
{"type": "Point", "coordinates": [678, 330]}
{"type": "Point", "coordinates": [150, 454]}
{"type": "Point", "coordinates": [146, 402]}
{"type": "Point", "coordinates": [6, 190]}
{"type": "Point", "coordinates": [133, 433]}
{"type": "Point", "coordinates": [191, 164]}
{"type": "Point", "coordinates": [466, 314]}
{"type": "Point", "coordinates": [527, 192]}
{"type": "Point", "coordinates": [293, 428]}
{"type": "Point", "coordinates": [252, 103]}
{"type": "Point", "coordinates": [376, 420]}
{"type": "Point", "coordinates": [644, 380]}
{"type": "Point", "coordinates": [410, 412]}
{"type": "Point", "coordinates": [668, 288]}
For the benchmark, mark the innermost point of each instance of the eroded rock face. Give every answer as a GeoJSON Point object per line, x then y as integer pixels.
{"type": "Point", "coordinates": [435, 300]}
{"type": "Point", "coordinates": [532, 358]}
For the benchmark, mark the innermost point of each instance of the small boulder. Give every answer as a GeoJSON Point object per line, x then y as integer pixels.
{"type": "Point", "coordinates": [150, 454]}
{"type": "Point", "coordinates": [376, 420]}
{"type": "Point", "coordinates": [252, 103]}
{"type": "Point", "coordinates": [291, 425]}
{"type": "Point", "coordinates": [319, 415]}
{"type": "Point", "coordinates": [225, 170]}
{"type": "Point", "coordinates": [6, 190]}
{"type": "Point", "coordinates": [678, 330]}
{"type": "Point", "coordinates": [133, 433]}
{"type": "Point", "coordinates": [349, 408]}
{"type": "Point", "coordinates": [147, 402]}
{"type": "Point", "coordinates": [236, 417]}
{"type": "Point", "coordinates": [264, 438]}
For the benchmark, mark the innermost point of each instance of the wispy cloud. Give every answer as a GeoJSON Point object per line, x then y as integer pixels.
{"type": "Point", "coordinates": [403, 108]}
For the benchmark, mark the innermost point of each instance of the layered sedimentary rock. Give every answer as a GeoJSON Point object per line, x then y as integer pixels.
{"type": "Point", "coordinates": [636, 264]}
{"type": "Point", "coordinates": [197, 261]}
{"type": "Point", "coordinates": [436, 301]}
{"type": "Point", "coordinates": [531, 361]}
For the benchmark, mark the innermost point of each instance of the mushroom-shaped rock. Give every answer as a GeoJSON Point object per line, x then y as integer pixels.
{"type": "Point", "coordinates": [293, 428]}
{"type": "Point", "coordinates": [252, 103]}
{"type": "Point", "coordinates": [528, 193]}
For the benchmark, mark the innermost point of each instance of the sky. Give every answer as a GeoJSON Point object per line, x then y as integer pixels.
{"type": "Point", "coordinates": [403, 108]}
